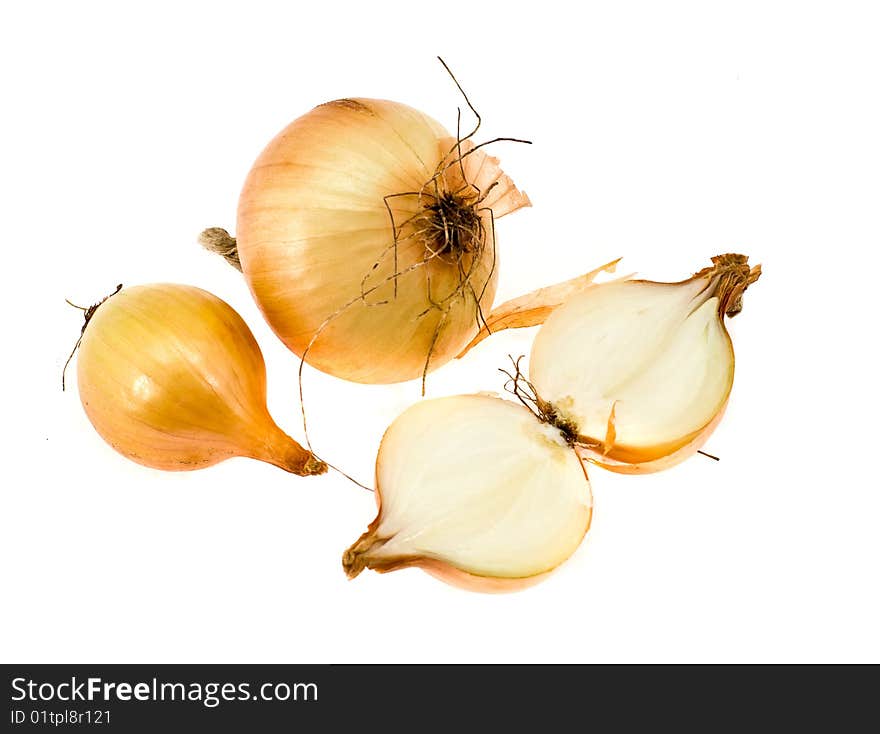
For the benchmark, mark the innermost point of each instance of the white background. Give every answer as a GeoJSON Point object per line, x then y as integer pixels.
{"type": "Point", "coordinates": [663, 132]}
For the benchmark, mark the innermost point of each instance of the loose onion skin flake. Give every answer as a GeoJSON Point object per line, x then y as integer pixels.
{"type": "Point", "coordinates": [366, 233]}
{"type": "Point", "coordinates": [172, 378]}
{"type": "Point", "coordinates": [476, 491]}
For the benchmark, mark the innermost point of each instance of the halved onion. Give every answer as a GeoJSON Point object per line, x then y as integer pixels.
{"type": "Point", "coordinates": [477, 491]}
{"type": "Point", "coordinates": [643, 370]}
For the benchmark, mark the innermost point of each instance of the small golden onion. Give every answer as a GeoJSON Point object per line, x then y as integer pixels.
{"type": "Point", "coordinates": [366, 234]}
{"type": "Point", "coordinates": [172, 378]}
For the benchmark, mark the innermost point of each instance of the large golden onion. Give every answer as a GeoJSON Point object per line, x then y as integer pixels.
{"type": "Point", "coordinates": [365, 233]}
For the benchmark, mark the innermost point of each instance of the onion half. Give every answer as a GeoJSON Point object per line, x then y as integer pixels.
{"type": "Point", "coordinates": [476, 491]}
{"type": "Point", "coordinates": [642, 371]}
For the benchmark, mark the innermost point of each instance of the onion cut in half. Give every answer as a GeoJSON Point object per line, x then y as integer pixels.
{"type": "Point", "coordinates": [476, 491]}
{"type": "Point", "coordinates": [640, 372]}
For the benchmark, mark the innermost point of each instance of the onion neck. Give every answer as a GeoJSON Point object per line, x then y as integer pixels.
{"type": "Point", "coordinates": [356, 558]}
{"type": "Point", "coordinates": [729, 276]}
{"type": "Point", "coordinates": [88, 313]}
{"type": "Point", "coordinates": [284, 452]}
{"type": "Point", "coordinates": [220, 242]}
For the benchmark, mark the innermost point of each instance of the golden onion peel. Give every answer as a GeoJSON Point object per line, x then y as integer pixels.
{"type": "Point", "coordinates": [366, 234]}
{"type": "Point", "coordinates": [172, 378]}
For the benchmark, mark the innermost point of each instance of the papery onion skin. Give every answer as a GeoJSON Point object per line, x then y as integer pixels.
{"type": "Point", "coordinates": [172, 378]}
{"type": "Point", "coordinates": [367, 551]}
{"type": "Point", "coordinates": [316, 242]}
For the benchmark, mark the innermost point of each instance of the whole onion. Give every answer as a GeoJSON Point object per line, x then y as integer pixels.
{"type": "Point", "coordinates": [366, 233]}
